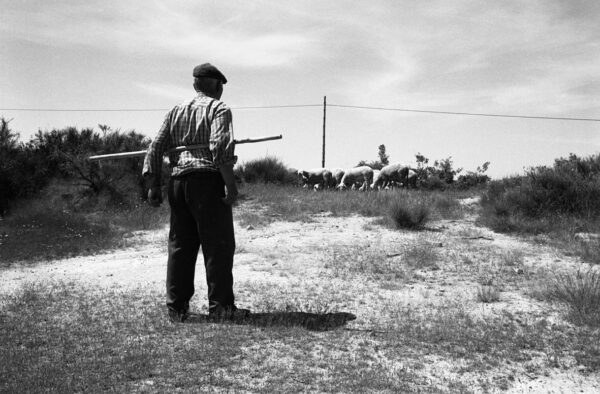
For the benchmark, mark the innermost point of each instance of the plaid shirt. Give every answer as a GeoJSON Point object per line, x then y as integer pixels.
{"type": "Point", "coordinates": [202, 120]}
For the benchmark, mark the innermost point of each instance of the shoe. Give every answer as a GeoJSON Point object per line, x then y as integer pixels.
{"type": "Point", "coordinates": [178, 316]}
{"type": "Point", "coordinates": [229, 313]}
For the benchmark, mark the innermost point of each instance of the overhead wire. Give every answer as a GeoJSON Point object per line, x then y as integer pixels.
{"type": "Point", "coordinates": [464, 113]}
{"type": "Point", "coordinates": [312, 105]}
{"type": "Point", "coordinates": [143, 109]}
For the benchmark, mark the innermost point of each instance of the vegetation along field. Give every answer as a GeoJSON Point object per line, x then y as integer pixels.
{"type": "Point", "coordinates": [458, 285]}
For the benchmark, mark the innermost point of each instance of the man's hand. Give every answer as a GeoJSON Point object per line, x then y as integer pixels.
{"type": "Point", "coordinates": [231, 190]}
{"type": "Point", "coordinates": [231, 194]}
{"type": "Point", "coordinates": [155, 197]}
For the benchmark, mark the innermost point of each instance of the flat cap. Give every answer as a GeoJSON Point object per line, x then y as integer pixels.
{"type": "Point", "coordinates": [207, 70]}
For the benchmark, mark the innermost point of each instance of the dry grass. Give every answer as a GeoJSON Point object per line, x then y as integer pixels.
{"type": "Point", "coordinates": [488, 293]}
{"type": "Point", "coordinates": [409, 216]}
{"type": "Point", "coordinates": [39, 231]}
{"type": "Point", "coordinates": [580, 293]}
{"type": "Point", "coordinates": [67, 337]}
{"type": "Point", "coordinates": [63, 338]}
{"type": "Point", "coordinates": [297, 204]}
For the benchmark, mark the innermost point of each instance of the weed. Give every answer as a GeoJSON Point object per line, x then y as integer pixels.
{"type": "Point", "coordinates": [447, 205]}
{"type": "Point", "coordinates": [359, 259]}
{"type": "Point", "coordinates": [467, 260]}
{"type": "Point", "coordinates": [589, 250]}
{"type": "Point", "coordinates": [580, 292]}
{"type": "Point", "coordinates": [252, 218]}
{"type": "Point", "coordinates": [408, 214]}
{"type": "Point", "coordinates": [488, 293]}
{"type": "Point", "coordinates": [420, 255]}
{"type": "Point", "coordinates": [512, 258]}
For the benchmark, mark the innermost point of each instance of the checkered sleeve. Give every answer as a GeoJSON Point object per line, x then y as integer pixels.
{"type": "Point", "coordinates": [222, 145]}
{"type": "Point", "coordinates": [154, 156]}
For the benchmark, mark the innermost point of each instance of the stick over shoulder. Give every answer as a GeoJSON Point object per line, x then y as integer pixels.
{"type": "Point", "coordinates": [142, 153]}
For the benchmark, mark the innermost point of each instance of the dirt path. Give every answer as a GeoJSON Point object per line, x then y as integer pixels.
{"type": "Point", "coordinates": [296, 253]}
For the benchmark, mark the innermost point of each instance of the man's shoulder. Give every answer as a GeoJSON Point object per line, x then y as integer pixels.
{"type": "Point", "coordinates": [210, 105]}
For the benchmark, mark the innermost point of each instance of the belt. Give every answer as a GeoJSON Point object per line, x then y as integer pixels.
{"type": "Point", "coordinates": [198, 175]}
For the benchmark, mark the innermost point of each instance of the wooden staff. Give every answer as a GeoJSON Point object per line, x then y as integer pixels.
{"type": "Point", "coordinates": [142, 153]}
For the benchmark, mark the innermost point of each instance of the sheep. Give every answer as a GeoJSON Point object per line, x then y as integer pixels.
{"type": "Point", "coordinates": [358, 175]}
{"type": "Point", "coordinates": [394, 173]}
{"type": "Point", "coordinates": [337, 174]}
{"type": "Point", "coordinates": [318, 176]}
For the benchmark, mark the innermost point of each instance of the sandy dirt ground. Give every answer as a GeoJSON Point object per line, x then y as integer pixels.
{"type": "Point", "coordinates": [284, 252]}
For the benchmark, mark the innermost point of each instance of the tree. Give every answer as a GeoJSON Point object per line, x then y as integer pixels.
{"type": "Point", "coordinates": [444, 169]}
{"type": "Point", "coordinates": [383, 157]}
{"type": "Point", "coordinates": [377, 164]}
{"type": "Point", "coordinates": [472, 179]}
{"type": "Point", "coordinates": [9, 140]}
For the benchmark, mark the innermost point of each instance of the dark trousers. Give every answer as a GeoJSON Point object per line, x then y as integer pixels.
{"type": "Point", "coordinates": [199, 218]}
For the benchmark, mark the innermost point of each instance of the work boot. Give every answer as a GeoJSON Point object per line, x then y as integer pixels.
{"type": "Point", "coordinates": [178, 316]}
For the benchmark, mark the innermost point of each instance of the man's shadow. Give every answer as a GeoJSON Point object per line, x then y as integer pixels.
{"type": "Point", "coordinates": [309, 321]}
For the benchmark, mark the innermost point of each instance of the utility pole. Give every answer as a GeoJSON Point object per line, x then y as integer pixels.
{"type": "Point", "coordinates": [324, 118]}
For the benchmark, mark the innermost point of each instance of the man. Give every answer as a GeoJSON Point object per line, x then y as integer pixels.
{"type": "Point", "coordinates": [201, 192]}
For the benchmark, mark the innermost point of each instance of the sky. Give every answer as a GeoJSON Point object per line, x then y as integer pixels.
{"type": "Point", "coordinates": [524, 57]}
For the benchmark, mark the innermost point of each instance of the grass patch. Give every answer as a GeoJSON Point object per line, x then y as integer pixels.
{"type": "Point", "coordinates": [291, 203]}
{"type": "Point", "coordinates": [420, 255]}
{"type": "Point", "coordinates": [477, 345]}
{"type": "Point", "coordinates": [409, 215]}
{"type": "Point", "coordinates": [40, 230]}
{"type": "Point", "coordinates": [374, 261]}
{"type": "Point", "coordinates": [61, 337]}
{"type": "Point", "coordinates": [580, 293]}
{"type": "Point", "coordinates": [558, 201]}
{"type": "Point", "coordinates": [350, 260]}
{"type": "Point", "coordinates": [488, 294]}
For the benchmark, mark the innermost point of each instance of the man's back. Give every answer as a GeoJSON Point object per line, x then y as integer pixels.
{"type": "Point", "coordinates": [201, 120]}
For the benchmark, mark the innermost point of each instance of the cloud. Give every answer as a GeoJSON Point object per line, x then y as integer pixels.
{"type": "Point", "coordinates": [155, 30]}
{"type": "Point", "coordinates": [166, 91]}
{"type": "Point", "coordinates": [448, 55]}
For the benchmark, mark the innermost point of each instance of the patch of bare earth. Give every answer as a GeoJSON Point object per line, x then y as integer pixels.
{"type": "Point", "coordinates": [319, 262]}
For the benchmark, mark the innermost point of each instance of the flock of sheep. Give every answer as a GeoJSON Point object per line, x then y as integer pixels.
{"type": "Point", "coordinates": [361, 178]}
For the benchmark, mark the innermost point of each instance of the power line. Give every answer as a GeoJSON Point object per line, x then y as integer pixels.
{"type": "Point", "coordinates": [281, 106]}
{"type": "Point", "coordinates": [142, 109]}
{"type": "Point", "coordinates": [85, 109]}
{"type": "Point", "coordinates": [464, 113]}
{"type": "Point", "coordinates": [308, 105]}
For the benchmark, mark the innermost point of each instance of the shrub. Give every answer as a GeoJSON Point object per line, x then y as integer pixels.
{"type": "Point", "coordinates": [571, 187]}
{"type": "Point", "coordinates": [26, 169]}
{"type": "Point", "coordinates": [265, 170]}
{"type": "Point", "coordinates": [580, 292]}
{"type": "Point", "coordinates": [473, 179]}
{"type": "Point", "coordinates": [420, 255]}
{"type": "Point", "coordinates": [409, 214]}
{"type": "Point", "coordinates": [432, 183]}
{"type": "Point", "coordinates": [22, 170]}
{"type": "Point", "coordinates": [442, 170]}
{"type": "Point", "coordinates": [488, 294]}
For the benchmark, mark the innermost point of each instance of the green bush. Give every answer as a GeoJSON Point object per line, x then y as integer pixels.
{"type": "Point", "coordinates": [22, 170]}
{"type": "Point", "coordinates": [265, 170]}
{"type": "Point", "coordinates": [471, 180]}
{"type": "Point", "coordinates": [27, 168]}
{"type": "Point", "coordinates": [408, 213]}
{"type": "Point", "coordinates": [571, 187]}
{"type": "Point", "coordinates": [432, 183]}
{"type": "Point", "coordinates": [580, 292]}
